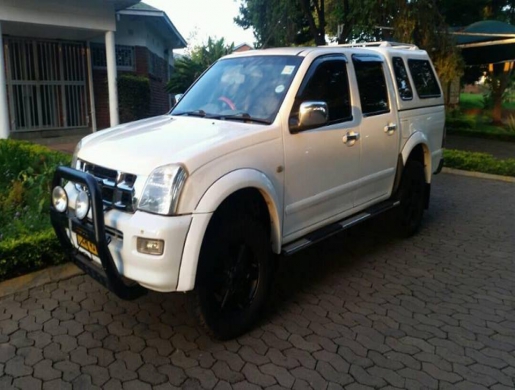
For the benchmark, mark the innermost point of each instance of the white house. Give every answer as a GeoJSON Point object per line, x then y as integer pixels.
{"type": "Point", "coordinates": [62, 58]}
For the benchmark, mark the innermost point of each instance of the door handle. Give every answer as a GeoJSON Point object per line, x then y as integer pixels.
{"type": "Point", "coordinates": [350, 138]}
{"type": "Point", "coordinates": [389, 129]}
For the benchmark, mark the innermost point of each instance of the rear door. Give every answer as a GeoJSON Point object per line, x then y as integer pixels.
{"type": "Point", "coordinates": [379, 130]}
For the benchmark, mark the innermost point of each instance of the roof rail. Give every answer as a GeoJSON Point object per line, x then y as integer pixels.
{"type": "Point", "coordinates": [397, 45]}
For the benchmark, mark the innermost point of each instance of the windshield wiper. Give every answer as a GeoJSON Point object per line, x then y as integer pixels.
{"type": "Point", "coordinates": [199, 113]}
{"type": "Point", "coordinates": [244, 117]}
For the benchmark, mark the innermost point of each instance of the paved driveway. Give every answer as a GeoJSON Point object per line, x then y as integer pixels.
{"type": "Point", "coordinates": [363, 310]}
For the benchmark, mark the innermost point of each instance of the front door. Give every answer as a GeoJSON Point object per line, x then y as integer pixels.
{"type": "Point", "coordinates": [379, 130]}
{"type": "Point", "coordinates": [322, 163]}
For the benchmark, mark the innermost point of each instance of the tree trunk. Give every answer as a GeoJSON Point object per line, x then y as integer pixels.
{"type": "Point", "coordinates": [318, 32]}
{"type": "Point", "coordinates": [497, 109]}
{"type": "Point", "coordinates": [501, 76]}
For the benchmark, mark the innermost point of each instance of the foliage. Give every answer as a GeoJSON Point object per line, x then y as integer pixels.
{"type": "Point", "coordinates": [275, 22]}
{"type": "Point", "coordinates": [456, 120]}
{"type": "Point", "coordinates": [133, 97]}
{"type": "Point", "coordinates": [26, 238]}
{"type": "Point", "coordinates": [420, 22]}
{"type": "Point", "coordinates": [29, 253]}
{"type": "Point", "coordinates": [479, 162]}
{"type": "Point", "coordinates": [282, 22]}
{"type": "Point", "coordinates": [465, 12]}
{"type": "Point", "coordinates": [510, 125]}
{"type": "Point", "coordinates": [208, 53]}
{"type": "Point", "coordinates": [188, 68]}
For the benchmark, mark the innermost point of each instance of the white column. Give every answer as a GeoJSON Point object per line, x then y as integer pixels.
{"type": "Point", "coordinates": [111, 78]}
{"type": "Point", "coordinates": [4, 107]}
{"type": "Point", "coordinates": [91, 90]}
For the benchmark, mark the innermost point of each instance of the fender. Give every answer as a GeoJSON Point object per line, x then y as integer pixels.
{"type": "Point", "coordinates": [213, 197]}
{"type": "Point", "coordinates": [418, 138]}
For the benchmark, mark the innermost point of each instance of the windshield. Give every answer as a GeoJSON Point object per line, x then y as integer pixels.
{"type": "Point", "coordinates": [241, 88]}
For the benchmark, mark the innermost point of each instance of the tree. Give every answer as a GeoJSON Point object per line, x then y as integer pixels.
{"type": "Point", "coordinates": [420, 22]}
{"type": "Point", "coordinates": [188, 68]}
{"type": "Point", "coordinates": [285, 22]}
{"type": "Point", "coordinates": [275, 22]}
{"type": "Point", "coordinates": [208, 53]}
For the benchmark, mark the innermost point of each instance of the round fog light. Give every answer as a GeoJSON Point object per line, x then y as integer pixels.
{"type": "Point", "coordinates": [82, 205]}
{"type": "Point", "coordinates": [59, 199]}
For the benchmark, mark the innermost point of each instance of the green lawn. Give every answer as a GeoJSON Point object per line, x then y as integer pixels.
{"type": "Point", "coordinates": [470, 101]}
{"type": "Point", "coordinates": [471, 119]}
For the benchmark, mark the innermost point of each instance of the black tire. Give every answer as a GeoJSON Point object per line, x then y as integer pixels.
{"type": "Point", "coordinates": [412, 197]}
{"type": "Point", "coordinates": [234, 274]}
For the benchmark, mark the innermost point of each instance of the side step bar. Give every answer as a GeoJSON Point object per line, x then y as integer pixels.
{"type": "Point", "coordinates": [331, 230]}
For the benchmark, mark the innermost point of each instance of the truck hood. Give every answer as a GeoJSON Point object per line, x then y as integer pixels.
{"type": "Point", "coordinates": [141, 146]}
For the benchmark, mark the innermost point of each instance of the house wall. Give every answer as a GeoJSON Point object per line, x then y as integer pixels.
{"type": "Point", "coordinates": [133, 33]}
{"type": "Point", "coordinates": [78, 14]}
{"type": "Point", "coordinates": [159, 98]}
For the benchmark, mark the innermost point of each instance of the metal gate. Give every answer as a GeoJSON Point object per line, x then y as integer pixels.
{"type": "Point", "coordinates": [46, 82]}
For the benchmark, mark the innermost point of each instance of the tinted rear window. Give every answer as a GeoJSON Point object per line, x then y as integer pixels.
{"type": "Point", "coordinates": [424, 79]}
{"type": "Point", "coordinates": [402, 79]}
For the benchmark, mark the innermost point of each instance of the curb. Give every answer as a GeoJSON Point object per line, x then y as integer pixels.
{"type": "Point", "coordinates": [38, 278]}
{"type": "Point", "coordinates": [479, 175]}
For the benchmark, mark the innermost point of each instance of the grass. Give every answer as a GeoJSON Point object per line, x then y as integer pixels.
{"type": "Point", "coordinates": [471, 101]}
{"type": "Point", "coordinates": [472, 120]}
{"type": "Point", "coordinates": [479, 162]}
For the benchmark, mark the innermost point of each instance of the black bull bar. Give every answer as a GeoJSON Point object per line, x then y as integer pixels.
{"type": "Point", "coordinates": [108, 275]}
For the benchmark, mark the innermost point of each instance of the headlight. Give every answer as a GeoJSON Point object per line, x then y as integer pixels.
{"type": "Point", "coordinates": [75, 154]}
{"type": "Point", "coordinates": [82, 205]}
{"type": "Point", "coordinates": [163, 189]}
{"type": "Point", "coordinates": [59, 199]}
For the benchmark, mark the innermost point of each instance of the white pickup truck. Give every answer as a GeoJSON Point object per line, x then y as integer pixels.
{"type": "Point", "coordinates": [267, 153]}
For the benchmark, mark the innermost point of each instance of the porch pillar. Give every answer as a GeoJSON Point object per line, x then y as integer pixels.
{"type": "Point", "coordinates": [111, 78]}
{"type": "Point", "coordinates": [4, 107]}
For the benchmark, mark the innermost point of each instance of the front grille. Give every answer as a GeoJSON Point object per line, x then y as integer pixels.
{"type": "Point", "coordinates": [117, 187]}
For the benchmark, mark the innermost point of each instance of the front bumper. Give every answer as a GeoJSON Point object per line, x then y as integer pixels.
{"type": "Point", "coordinates": [119, 265]}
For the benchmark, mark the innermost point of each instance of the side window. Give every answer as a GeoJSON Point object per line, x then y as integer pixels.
{"type": "Point", "coordinates": [373, 92]}
{"type": "Point", "coordinates": [328, 82]}
{"type": "Point", "coordinates": [424, 79]}
{"type": "Point", "coordinates": [402, 79]}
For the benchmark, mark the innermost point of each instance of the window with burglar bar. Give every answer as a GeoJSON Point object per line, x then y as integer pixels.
{"type": "Point", "coordinates": [125, 58]}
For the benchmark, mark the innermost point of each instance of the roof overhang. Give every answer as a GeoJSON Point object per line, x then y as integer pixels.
{"type": "Point", "coordinates": [159, 20]}
{"type": "Point", "coordinates": [122, 4]}
{"type": "Point", "coordinates": [486, 42]}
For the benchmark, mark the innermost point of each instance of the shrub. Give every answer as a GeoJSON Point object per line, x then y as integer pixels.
{"type": "Point", "coordinates": [29, 253]}
{"type": "Point", "coordinates": [27, 241]}
{"type": "Point", "coordinates": [134, 97]}
{"type": "Point", "coordinates": [479, 162]}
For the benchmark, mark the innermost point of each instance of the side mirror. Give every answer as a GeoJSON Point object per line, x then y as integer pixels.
{"type": "Point", "coordinates": [312, 114]}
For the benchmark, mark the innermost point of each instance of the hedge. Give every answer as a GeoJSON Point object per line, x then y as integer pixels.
{"type": "Point", "coordinates": [134, 97]}
{"type": "Point", "coordinates": [27, 240]}
{"type": "Point", "coordinates": [29, 253]}
{"type": "Point", "coordinates": [479, 162]}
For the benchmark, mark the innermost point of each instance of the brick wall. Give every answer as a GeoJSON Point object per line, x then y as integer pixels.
{"type": "Point", "coordinates": [158, 76]}
{"type": "Point", "coordinates": [101, 98]}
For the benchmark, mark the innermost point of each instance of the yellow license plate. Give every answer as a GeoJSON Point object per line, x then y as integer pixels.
{"type": "Point", "coordinates": [86, 244]}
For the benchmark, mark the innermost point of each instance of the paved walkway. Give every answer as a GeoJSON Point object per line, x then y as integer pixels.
{"type": "Point", "coordinates": [499, 149]}
{"type": "Point", "coordinates": [361, 311]}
